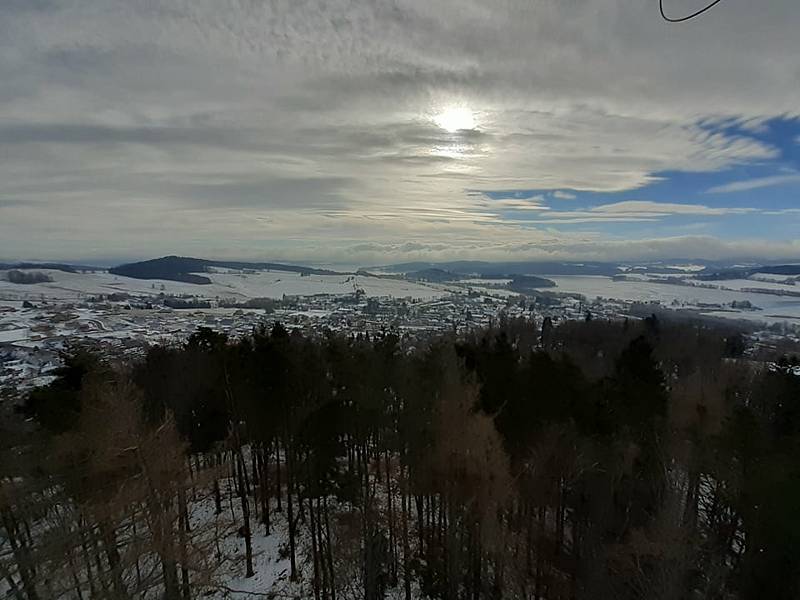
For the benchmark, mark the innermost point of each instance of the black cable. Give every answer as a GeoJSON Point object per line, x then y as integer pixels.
{"type": "Point", "coordinates": [688, 17]}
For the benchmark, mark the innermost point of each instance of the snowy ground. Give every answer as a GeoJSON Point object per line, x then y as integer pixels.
{"type": "Point", "coordinates": [270, 560]}
{"type": "Point", "coordinates": [239, 286]}
{"type": "Point", "coordinates": [772, 277]}
{"type": "Point", "coordinates": [231, 284]}
{"type": "Point", "coordinates": [753, 283]}
{"type": "Point", "coordinates": [774, 308]}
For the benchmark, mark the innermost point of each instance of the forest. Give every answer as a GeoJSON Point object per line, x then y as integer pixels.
{"type": "Point", "coordinates": [622, 460]}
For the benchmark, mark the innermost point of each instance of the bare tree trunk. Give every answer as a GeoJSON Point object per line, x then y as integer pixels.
{"type": "Point", "coordinates": [136, 560]}
{"type": "Point", "coordinates": [254, 453]}
{"type": "Point", "coordinates": [314, 549]}
{"type": "Point", "coordinates": [14, 588]}
{"type": "Point", "coordinates": [183, 526]}
{"type": "Point", "coordinates": [190, 470]}
{"type": "Point", "coordinates": [405, 503]}
{"type": "Point", "coordinates": [170, 579]}
{"type": "Point", "coordinates": [366, 527]}
{"type": "Point", "coordinates": [392, 541]}
{"type": "Point", "coordinates": [692, 497]}
{"type": "Point", "coordinates": [217, 498]}
{"type": "Point", "coordinates": [231, 495]}
{"type": "Point", "coordinates": [418, 501]}
{"type": "Point", "coordinates": [248, 543]}
{"type": "Point", "coordinates": [279, 507]}
{"type": "Point", "coordinates": [497, 583]}
{"type": "Point", "coordinates": [290, 515]}
{"type": "Point", "coordinates": [452, 562]}
{"type": "Point", "coordinates": [21, 555]}
{"type": "Point", "coordinates": [98, 562]}
{"type": "Point", "coordinates": [477, 582]}
{"type": "Point", "coordinates": [264, 484]}
{"type": "Point", "coordinates": [326, 575]}
{"type": "Point", "coordinates": [87, 559]}
{"type": "Point", "coordinates": [329, 549]}
{"type": "Point", "coordinates": [161, 525]}
{"type": "Point", "coordinates": [560, 518]}
{"type": "Point", "coordinates": [112, 555]}
{"type": "Point", "coordinates": [244, 476]}
{"type": "Point", "coordinates": [539, 581]}
{"type": "Point", "coordinates": [73, 569]}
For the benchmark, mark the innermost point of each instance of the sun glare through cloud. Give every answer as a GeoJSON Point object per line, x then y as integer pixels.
{"type": "Point", "coordinates": [455, 118]}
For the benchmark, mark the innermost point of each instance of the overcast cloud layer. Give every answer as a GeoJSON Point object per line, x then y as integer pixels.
{"type": "Point", "coordinates": [311, 130]}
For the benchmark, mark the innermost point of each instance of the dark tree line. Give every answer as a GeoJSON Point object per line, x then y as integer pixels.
{"type": "Point", "coordinates": [598, 459]}
{"type": "Point", "coordinates": [27, 277]}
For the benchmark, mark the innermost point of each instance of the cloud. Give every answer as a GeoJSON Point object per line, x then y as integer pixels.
{"type": "Point", "coordinates": [672, 247]}
{"type": "Point", "coordinates": [564, 195]}
{"type": "Point", "coordinates": [666, 208]}
{"type": "Point", "coordinates": [634, 211]}
{"type": "Point", "coordinates": [783, 211]}
{"type": "Point", "coordinates": [306, 128]}
{"type": "Point", "coordinates": [756, 183]}
{"type": "Point", "coordinates": [530, 204]}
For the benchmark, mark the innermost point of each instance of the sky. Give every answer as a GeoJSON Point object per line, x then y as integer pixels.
{"type": "Point", "coordinates": [368, 132]}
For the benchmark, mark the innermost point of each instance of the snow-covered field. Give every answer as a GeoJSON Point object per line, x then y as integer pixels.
{"type": "Point", "coordinates": [775, 308]}
{"type": "Point", "coordinates": [687, 268]}
{"type": "Point", "coordinates": [772, 277]}
{"type": "Point", "coordinates": [484, 282]}
{"type": "Point", "coordinates": [233, 285]}
{"type": "Point", "coordinates": [270, 563]}
{"type": "Point", "coordinates": [775, 285]}
{"type": "Point", "coordinates": [29, 327]}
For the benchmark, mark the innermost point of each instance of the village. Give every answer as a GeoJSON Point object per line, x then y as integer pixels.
{"type": "Point", "coordinates": [33, 335]}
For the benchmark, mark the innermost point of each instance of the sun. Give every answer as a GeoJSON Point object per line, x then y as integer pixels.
{"type": "Point", "coordinates": [455, 118]}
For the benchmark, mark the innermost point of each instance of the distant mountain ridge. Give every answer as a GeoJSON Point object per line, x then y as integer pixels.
{"type": "Point", "coordinates": [190, 269]}
{"type": "Point", "coordinates": [185, 269]}
{"type": "Point", "coordinates": [486, 269]}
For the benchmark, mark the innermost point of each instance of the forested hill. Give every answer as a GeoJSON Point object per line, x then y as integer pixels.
{"type": "Point", "coordinates": [707, 269]}
{"type": "Point", "coordinates": [631, 460]}
{"type": "Point", "coordinates": [186, 269]}
{"type": "Point", "coordinates": [745, 272]}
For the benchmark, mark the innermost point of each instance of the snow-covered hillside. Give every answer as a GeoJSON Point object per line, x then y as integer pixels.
{"type": "Point", "coordinates": [231, 284]}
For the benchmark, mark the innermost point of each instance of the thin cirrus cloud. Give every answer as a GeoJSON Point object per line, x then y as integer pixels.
{"type": "Point", "coordinates": [667, 208]}
{"type": "Point", "coordinates": [633, 211]}
{"type": "Point", "coordinates": [560, 195]}
{"type": "Point", "coordinates": [756, 183]}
